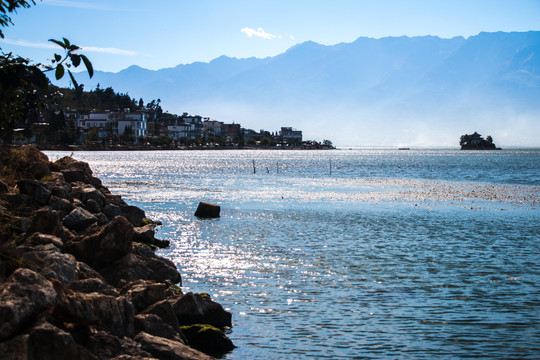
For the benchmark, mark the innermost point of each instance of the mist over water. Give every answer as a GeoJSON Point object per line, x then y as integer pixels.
{"type": "Point", "coordinates": [377, 254]}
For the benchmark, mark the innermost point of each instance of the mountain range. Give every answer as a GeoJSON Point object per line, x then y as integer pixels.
{"type": "Point", "coordinates": [393, 91]}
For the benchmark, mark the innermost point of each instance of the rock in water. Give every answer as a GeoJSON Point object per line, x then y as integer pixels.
{"type": "Point", "coordinates": [207, 210]}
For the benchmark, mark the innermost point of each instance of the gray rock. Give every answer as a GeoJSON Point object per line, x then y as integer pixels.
{"type": "Point", "coordinates": [165, 311]}
{"type": "Point", "coordinates": [85, 192]}
{"type": "Point", "coordinates": [110, 243]}
{"type": "Point", "coordinates": [168, 349]}
{"type": "Point", "coordinates": [112, 211]}
{"type": "Point", "coordinates": [155, 325]}
{"type": "Point", "coordinates": [93, 206]}
{"type": "Point", "coordinates": [43, 239]}
{"type": "Point", "coordinates": [195, 309]}
{"type": "Point", "coordinates": [51, 263]}
{"type": "Point", "coordinates": [61, 205]}
{"type": "Point", "coordinates": [143, 293]}
{"type": "Point", "coordinates": [24, 297]}
{"type": "Point", "coordinates": [144, 234]}
{"type": "Point", "coordinates": [114, 314]}
{"type": "Point", "coordinates": [44, 341]}
{"type": "Point", "coordinates": [134, 215]}
{"type": "Point", "coordinates": [36, 189]}
{"type": "Point", "coordinates": [207, 210]}
{"type": "Point", "coordinates": [93, 285]}
{"type": "Point", "coordinates": [46, 221]}
{"type": "Point", "coordinates": [79, 219]}
{"type": "Point", "coordinates": [208, 339]}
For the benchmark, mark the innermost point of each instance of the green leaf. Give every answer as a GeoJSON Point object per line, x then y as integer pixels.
{"type": "Point", "coordinates": [75, 85]}
{"type": "Point", "coordinates": [59, 71]}
{"type": "Point", "coordinates": [57, 57]}
{"type": "Point", "coordinates": [66, 43]}
{"type": "Point", "coordinates": [59, 43]}
{"type": "Point", "coordinates": [75, 59]}
{"type": "Point", "coordinates": [73, 48]}
{"type": "Point", "coordinates": [88, 65]}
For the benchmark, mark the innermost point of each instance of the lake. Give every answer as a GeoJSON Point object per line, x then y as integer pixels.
{"type": "Point", "coordinates": [360, 253]}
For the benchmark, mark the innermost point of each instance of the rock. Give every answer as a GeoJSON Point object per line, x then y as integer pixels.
{"type": "Point", "coordinates": [155, 325]}
{"type": "Point", "coordinates": [72, 176]}
{"type": "Point", "coordinates": [195, 309]}
{"type": "Point", "coordinates": [115, 314]}
{"type": "Point", "coordinates": [134, 215]}
{"type": "Point", "coordinates": [44, 341]}
{"type": "Point", "coordinates": [60, 187]}
{"type": "Point", "coordinates": [61, 205]}
{"type": "Point", "coordinates": [112, 211]}
{"type": "Point", "coordinates": [105, 345]}
{"type": "Point", "coordinates": [93, 206]}
{"type": "Point", "coordinates": [165, 311]}
{"type": "Point", "coordinates": [84, 272]}
{"type": "Point", "coordinates": [134, 267]}
{"type": "Point", "coordinates": [20, 203]}
{"type": "Point", "coordinates": [43, 239]}
{"type": "Point", "coordinates": [92, 285]}
{"type": "Point", "coordinates": [51, 263]}
{"type": "Point", "coordinates": [144, 234]}
{"type": "Point", "coordinates": [168, 349]}
{"type": "Point", "coordinates": [46, 221]}
{"type": "Point", "coordinates": [207, 210]}
{"type": "Point", "coordinates": [110, 243]}
{"type": "Point", "coordinates": [85, 192]}
{"type": "Point", "coordinates": [143, 293]}
{"type": "Point", "coordinates": [24, 297]}
{"type": "Point", "coordinates": [79, 219]}
{"type": "Point", "coordinates": [208, 339]}
{"type": "Point", "coordinates": [36, 189]}
{"type": "Point", "coordinates": [40, 169]}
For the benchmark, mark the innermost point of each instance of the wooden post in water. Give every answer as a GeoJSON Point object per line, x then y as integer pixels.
{"type": "Point", "coordinates": [330, 166]}
{"type": "Point", "coordinates": [254, 170]}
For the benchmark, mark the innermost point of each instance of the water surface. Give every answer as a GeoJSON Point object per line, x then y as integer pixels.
{"type": "Point", "coordinates": [366, 253]}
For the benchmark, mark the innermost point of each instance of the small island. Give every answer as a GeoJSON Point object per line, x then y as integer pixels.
{"type": "Point", "coordinates": [477, 142]}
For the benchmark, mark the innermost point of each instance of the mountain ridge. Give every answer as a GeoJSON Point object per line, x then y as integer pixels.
{"type": "Point", "coordinates": [421, 88]}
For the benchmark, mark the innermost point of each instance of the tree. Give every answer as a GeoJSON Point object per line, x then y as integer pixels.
{"type": "Point", "coordinates": [22, 84]}
{"type": "Point", "coordinates": [8, 7]}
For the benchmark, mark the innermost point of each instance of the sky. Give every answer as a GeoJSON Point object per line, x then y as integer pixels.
{"type": "Point", "coordinates": [116, 34]}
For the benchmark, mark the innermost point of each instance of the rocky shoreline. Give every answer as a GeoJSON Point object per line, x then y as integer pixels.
{"type": "Point", "coordinates": [78, 275]}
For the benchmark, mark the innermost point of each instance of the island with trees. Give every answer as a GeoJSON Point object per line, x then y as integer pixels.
{"type": "Point", "coordinates": [477, 142]}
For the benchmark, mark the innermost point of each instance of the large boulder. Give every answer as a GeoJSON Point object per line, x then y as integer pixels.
{"type": "Point", "coordinates": [39, 191]}
{"type": "Point", "coordinates": [143, 293]}
{"type": "Point", "coordinates": [167, 349]}
{"type": "Point", "coordinates": [208, 339]}
{"type": "Point", "coordinates": [134, 267]}
{"type": "Point", "coordinates": [79, 219]}
{"type": "Point", "coordinates": [24, 297]}
{"type": "Point", "coordinates": [110, 243]}
{"type": "Point", "coordinates": [198, 309]}
{"type": "Point", "coordinates": [115, 314]}
{"type": "Point", "coordinates": [207, 210]}
{"type": "Point", "coordinates": [105, 345]}
{"type": "Point", "coordinates": [44, 341]}
{"type": "Point", "coordinates": [85, 192]}
{"type": "Point", "coordinates": [46, 221]}
{"type": "Point", "coordinates": [50, 262]}
{"type": "Point", "coordinates": [155, 325]}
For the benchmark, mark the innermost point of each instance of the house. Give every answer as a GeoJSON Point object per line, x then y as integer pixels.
{"type": "Point", "coordinates": [290, 136]}
{"type": "Point", "coordinates": [213, 128]}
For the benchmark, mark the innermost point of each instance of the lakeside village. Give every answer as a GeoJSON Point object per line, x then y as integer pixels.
{"type": "Point", "coordinates": [142, 129]}
{"type": "Point", "coordinates": [151, 129]}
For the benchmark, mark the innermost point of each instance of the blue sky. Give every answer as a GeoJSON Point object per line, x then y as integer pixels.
{"type": "Point", "coordinates": [164, 33]}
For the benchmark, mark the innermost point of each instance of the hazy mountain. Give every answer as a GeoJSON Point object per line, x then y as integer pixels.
{"type": "Point", "coordinates": [389, 91]}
